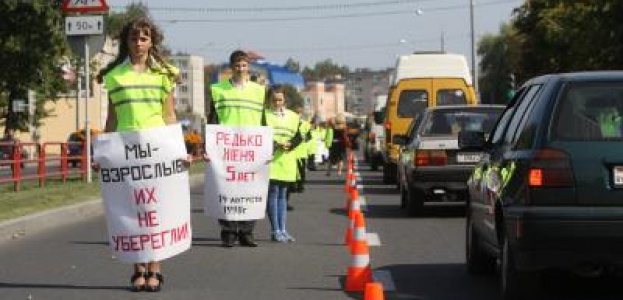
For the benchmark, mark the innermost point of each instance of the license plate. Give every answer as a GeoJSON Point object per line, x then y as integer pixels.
{"type": "Point", "coordinates": [617, 173]}
{"type": "Point", "coordinates": [469, 158]}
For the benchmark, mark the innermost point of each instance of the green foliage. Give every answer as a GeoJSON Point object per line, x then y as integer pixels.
{"type": "Point", "coordinates": [325, 70]}
{"type": "Point", "coordinates": [565, 36]}
{"type": "Point", "coordinates": [116, 21]}
{"type": "Point", "coordinates": [293, 65]}
{"type": "Point", "coordinates": [496, 65]}
{"type": "Point", "coordinates": [549, 36]}
{"type": "Point", "coordinates": [294, 99]}
{"type": "Point", "coordinates": [30, 56]}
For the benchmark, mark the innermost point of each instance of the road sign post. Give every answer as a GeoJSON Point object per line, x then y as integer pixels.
{"type": "Point", "coordinates": [90, 23]}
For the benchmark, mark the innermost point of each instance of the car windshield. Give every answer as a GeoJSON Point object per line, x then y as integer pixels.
{"type": "Point", "coordinates": [590, 112]}
{"type": "Point", "coordinates": [452, 121]}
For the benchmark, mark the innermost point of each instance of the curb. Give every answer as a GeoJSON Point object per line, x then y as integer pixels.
{"type": "Point", "coordinates": [16, 228]}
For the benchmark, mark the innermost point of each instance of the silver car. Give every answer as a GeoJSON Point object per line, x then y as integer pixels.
{"type": "Point", "coordinates": [431, 168]}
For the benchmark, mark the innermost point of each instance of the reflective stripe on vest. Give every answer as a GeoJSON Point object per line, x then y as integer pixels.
{"type": "Point", "coordinates": [283, 167]}
{"type": "Point", "coordinates": [236, 106]}
{"type": "Point", "coordinates": [137, 97]}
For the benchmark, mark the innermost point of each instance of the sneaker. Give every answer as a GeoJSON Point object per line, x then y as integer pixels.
{"type": "Point", "coordinates": [278, 237]}
{"type": "Point", "coordinates": [288, 237]}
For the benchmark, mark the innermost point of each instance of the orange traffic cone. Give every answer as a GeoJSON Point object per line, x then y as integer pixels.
{"type": "Point", "coordinates": [350, 176]}
{"type": "Point", "coordinates": [348, 237]}
{"type": "Point", "coordinates": [373, 291]}
{"type": "Point", "coordinates": [352, 196]}
{"type": "Point", "coordinates": [359, 272]}
{"type": "Point", "coordinates": [354, 206]}
{"type": "Point", "coordinates": [359, 240]}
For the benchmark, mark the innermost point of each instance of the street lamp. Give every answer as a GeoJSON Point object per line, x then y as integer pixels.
{"type": "Point", "coordinates": [473, 46]}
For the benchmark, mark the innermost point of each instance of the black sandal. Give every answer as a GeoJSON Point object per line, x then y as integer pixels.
{"type": "Point", "coordinates": [156, 275]}
{"type": "Point", "coordinates": [137, 275]}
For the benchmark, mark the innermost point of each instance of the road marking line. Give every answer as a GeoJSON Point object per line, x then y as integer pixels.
{"type": "Point", "coordinates": [373, 239]}
{"type": "Point", "coordinates": [385, 278]}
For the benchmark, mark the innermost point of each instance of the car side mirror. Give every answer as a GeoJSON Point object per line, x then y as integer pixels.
{"type": "Point", "coordinates": [400, 139]}
{"type": "Point", "coordinates": [472, 140]}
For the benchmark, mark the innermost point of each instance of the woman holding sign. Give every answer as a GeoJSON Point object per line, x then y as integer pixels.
{"type": "Point", "coordinates": [283, 167]}
{"type": "Point", "coordinates": [140, 86]}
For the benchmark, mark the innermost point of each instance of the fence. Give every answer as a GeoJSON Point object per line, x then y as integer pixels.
{"type": "Point", "coordinates": [31, 162]}
{"type": "Point", "coordinates": [40, 162]}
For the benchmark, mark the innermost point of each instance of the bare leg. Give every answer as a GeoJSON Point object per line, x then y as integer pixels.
{"type": "Point", "coordinates": [340, 165]}
{"type": "Point", "coordinates": [139, 281]}
{"type": "Point", "coordinates": [153, 267]}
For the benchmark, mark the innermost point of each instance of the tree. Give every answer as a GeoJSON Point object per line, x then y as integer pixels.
{"type": "Point", "coordinates": [497, 65]}
{"type": "Point", "coordinates": [325, 70]}
{"type": "Point", "coordinates": [293, 65]}
{"type": "Point", "coordinates": [295, 100]}
{"type": "Point", "coordinates": [565, 36]}
{"type": "Point", "coordinates": [30, 57]}
{"type": "Point", "coordinates": [116, 21]}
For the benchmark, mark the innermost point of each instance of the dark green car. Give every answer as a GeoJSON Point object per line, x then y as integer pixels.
{"type": "Point", "coordinates": [548, 192]}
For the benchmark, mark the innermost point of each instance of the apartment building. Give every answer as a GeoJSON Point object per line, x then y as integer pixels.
{"type": "Point", "coordinates": [190, 91]}
{"type": "Point", "coordinates": [362, 87]}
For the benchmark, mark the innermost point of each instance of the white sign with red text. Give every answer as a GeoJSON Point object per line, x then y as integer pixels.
{"type": "Point", "coordinates": [146, 193]}
{"type": "Point", "coordinates": [236, 178]}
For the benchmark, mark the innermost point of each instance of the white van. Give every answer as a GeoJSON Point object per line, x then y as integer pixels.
{"type": "Point", "coordinates": [375, 134]}
{"type": "Point", "coordinates": [421, 80]}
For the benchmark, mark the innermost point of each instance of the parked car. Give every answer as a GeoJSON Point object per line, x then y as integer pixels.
{"type": "Point", "coordinates": [548, 191]}
{"type": "Point", "coordinates": [76, 145]}
{"type": "Point", "coordinates": [7, 149]}
{"type": "Point", "coordinates": [431, 167]}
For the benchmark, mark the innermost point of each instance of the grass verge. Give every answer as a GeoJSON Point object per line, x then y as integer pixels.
{"type": "Point", "coordinates": [32, 199]}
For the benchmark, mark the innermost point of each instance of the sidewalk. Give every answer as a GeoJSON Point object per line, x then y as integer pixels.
{"type": "Point", "coordinates": [18, 227]}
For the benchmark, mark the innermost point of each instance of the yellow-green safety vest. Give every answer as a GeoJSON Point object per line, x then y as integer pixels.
{"type": "Point", "coordinates": [316, 134]}
{"type": "Point", "coordinates": [328, 137]}
{"type": "Point", "coordinates": [302, 149]}
{"type": "Point", "coordinates": [238, 107]}
{"type": "Point", "coordinates": [283, 167]}
{"type": "Point", "coordinates": [138, 97]}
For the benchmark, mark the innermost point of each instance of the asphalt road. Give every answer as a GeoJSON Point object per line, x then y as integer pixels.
{"type": "Point", "coordinates": [415, 258]}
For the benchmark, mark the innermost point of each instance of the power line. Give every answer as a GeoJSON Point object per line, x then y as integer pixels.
{"type": "Point", "coordinates": [333, 16]}
{"type": "Point", "coordinates": [368, 46]}
{"type": "Point", "coordinates": [283, 8]}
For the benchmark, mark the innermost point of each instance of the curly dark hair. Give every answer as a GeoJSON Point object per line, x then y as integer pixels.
{"type": "Point", "coordinates": [142, 25]}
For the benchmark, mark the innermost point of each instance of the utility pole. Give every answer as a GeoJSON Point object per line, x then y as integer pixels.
{"type": "Point", "coordinates": [473, 44]}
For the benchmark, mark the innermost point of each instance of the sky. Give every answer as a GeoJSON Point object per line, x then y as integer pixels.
{"type": "Point", "coordinates": [356, 33]}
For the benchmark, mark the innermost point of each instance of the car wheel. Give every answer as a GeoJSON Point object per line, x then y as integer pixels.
{"type": "Point", "coordinates": [477, 260]}
{"type": "Point", "coordinates": [415, 202]}
{"type": "Point", "coordinates": [514, 284]}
